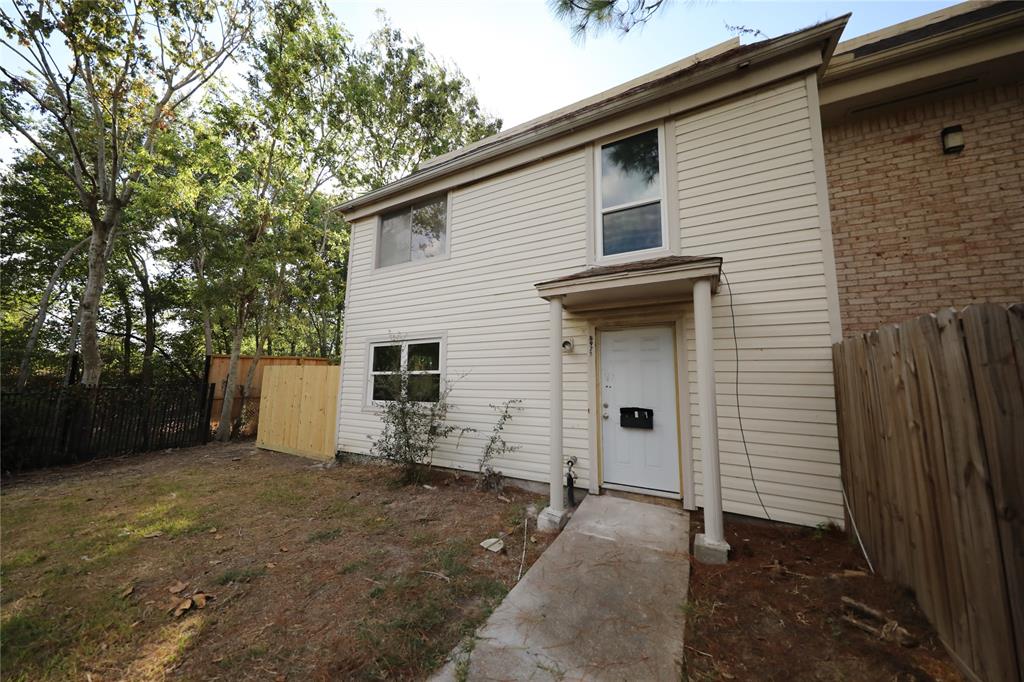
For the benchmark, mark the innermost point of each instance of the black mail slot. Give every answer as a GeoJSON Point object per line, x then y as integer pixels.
{"type": "Point", "coordinates": [636, 417]}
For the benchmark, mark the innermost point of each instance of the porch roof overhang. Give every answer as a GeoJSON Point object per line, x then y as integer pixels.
{"type": "Point", "coordinates": [648, 282]}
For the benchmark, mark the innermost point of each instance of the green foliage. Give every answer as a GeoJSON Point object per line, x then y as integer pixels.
{"type": "Point", "coordinates": [592, 17]}
{"type": "Point", "coordinates": [411, 429]}
{"type": "Point", "coordinates": [217, 205]}
{"type": "Point", "coordinates": [496, 446]}
{"type": "Point", "coordinates": [40, 219]}
{"type": "Point", "coordinates": [409, 107]}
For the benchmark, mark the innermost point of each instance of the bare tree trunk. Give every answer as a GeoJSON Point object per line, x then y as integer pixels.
{"type": "Point", "coordinates": [149, 309]}
{"type": "Point", "coordinates": [199, 265]}
{"type": "Point", "coordinates": [231, 384]}
{"type": "Point", "coordinates": [247, 385]}
{"type": "Point", "coordinates": [207, 332]}
{"type": "Point", "coordinates": [76, 323]}
{"type": "Point", "coordinates": [337, 330]}
{"type": "Point", "coordinates": [44, 307]}
{"type": "Point", "coordinates": [149, 345]}
{"type": "Point", "coordinates": [126, 342]}
{"type": "Point", "coordinates": [251, 374]}
{"type": "Point", "coordinates": [270, 324]}
{"type": "Point", "coordinates": [99, 254]}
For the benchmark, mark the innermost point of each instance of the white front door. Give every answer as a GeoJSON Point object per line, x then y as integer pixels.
{"type": "Point", "coordinates": [640, 449]}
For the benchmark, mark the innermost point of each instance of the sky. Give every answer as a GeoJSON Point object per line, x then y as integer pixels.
{"type": "Point", "coordinates": [523, 62]}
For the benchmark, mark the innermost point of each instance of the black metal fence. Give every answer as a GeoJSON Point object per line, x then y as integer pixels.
{"type": "Point", "coordinates": [66, 424]}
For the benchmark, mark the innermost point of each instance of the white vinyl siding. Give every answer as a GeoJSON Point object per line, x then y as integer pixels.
{"type": "Point", "coordinates": [747, 193]}
{"type": "Point", "coordinates": [506, 234]}
{"type": "Point", "coordinates": [743, 183]}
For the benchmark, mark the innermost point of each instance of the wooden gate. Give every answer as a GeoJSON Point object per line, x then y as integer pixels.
{"type": "Point", "coordinates": [298, 407]}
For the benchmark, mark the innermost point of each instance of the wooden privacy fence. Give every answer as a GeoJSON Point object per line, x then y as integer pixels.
{"type": "Point", "coordinates": [931, 426]}
{"type": "Point", "coordinates": [297, 410]}
{"type": "Point", "coordinates": [219, 365]}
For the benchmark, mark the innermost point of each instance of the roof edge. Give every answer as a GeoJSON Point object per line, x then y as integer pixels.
{"type": "Point", "coordinates": [827, 33]}
{"type": "Point", "coordinates": [913, 23]}
{"type": "Point", "coordinates": [857, 57]}
{"type": "Point", "coordinates": [632, 270]}
{"type": "Point", "coordinates": [669, 69]}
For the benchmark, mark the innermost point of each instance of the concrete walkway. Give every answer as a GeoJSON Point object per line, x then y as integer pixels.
{"type": "Point", "coordinates": [604, 602]}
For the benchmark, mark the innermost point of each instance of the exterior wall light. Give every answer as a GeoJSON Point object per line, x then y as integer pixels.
{"type": "Point", "coordinates": [952, 140]}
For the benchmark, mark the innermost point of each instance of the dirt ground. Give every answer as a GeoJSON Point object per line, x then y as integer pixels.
{"type": "Point", "coordinates": [312, 573]}
{"type": "Point", "coordinates": [774, 612]}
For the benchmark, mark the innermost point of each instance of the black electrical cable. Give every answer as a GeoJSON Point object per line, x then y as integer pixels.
{"type": "Point", "coordinates": [739, 414]}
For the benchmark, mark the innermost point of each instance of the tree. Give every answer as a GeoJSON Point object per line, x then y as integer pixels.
{"type": "Point", "coordinates": [409, 107]}
{"type": "Point", "coordinates": [43, 234]}
{"type": "Point", "coordinates": [226, 236]}
{"type": "Point", "coordinates": [590, 17]}
{"type": "Point", "coordinates": [285, 136]}
{"type": "Point", "coordinates": [317, 114]}
{"type": "Point", "coordinates": [131, 67]}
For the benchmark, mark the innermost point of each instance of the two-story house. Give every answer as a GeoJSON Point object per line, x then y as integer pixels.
{"type": "Point", "coordinates": [649, 270]}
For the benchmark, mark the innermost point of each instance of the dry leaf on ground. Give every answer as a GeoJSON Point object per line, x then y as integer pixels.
{"type": "Point", "coordinates": [183, 606]}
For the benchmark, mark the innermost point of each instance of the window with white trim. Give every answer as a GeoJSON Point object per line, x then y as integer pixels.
{"type": "Point", "coordinates": [630, 195]}
{"type": "Point", "coordinates": [414, 233]}
{"type": "Point", "coordinates": [421, 359]}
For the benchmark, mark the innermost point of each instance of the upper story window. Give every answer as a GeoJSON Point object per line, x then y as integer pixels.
{"type": "Point", "coordinates": [413, 233]}
{"type": "Point", "coordinates": [630, 201]}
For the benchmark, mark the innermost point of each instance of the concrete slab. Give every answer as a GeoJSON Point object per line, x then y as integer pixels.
{"type": "Point", "coordinates": [604, 602]}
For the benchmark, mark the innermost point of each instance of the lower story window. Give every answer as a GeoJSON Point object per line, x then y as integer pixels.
{"type": "Point", "coordinates": [419, 361]}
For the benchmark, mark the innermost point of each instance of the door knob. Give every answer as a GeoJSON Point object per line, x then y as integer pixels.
{"type": "Point", "coordinates": [604, 416]}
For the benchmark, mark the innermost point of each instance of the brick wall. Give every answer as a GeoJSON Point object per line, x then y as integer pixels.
{"type": "Point", "coordinates": [916, 229]}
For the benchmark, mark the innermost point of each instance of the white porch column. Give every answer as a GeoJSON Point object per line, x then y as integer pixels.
{"type": "Point", "coordinates": [553, 517]}
{"type": "Point", "coordinates": [710, 546]}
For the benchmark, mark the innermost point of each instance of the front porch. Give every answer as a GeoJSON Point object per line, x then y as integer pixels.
{"type": "Point", "coordinates": [653, 451]}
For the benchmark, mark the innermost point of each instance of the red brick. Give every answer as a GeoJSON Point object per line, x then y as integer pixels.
{"type": "Point", "coordinates": [916, 230]}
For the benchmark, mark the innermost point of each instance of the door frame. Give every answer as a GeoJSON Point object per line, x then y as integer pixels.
{"type": "Point", "coordinates": [676, 318]}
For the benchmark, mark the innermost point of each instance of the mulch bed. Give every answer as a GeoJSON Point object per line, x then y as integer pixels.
{"type": "Point", "coordinates": [775, 612]}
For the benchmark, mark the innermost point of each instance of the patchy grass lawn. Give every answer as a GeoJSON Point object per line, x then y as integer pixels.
{"type": "Point", "coordinates": [315, 573]}
{"type": "Point", "coordinates": [774, 612]}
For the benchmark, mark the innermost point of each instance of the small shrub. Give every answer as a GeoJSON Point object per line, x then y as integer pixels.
{"type": "Point", "coordinates": [412, 428]}
{"type": "Point", "coordinates": [496, 446]}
